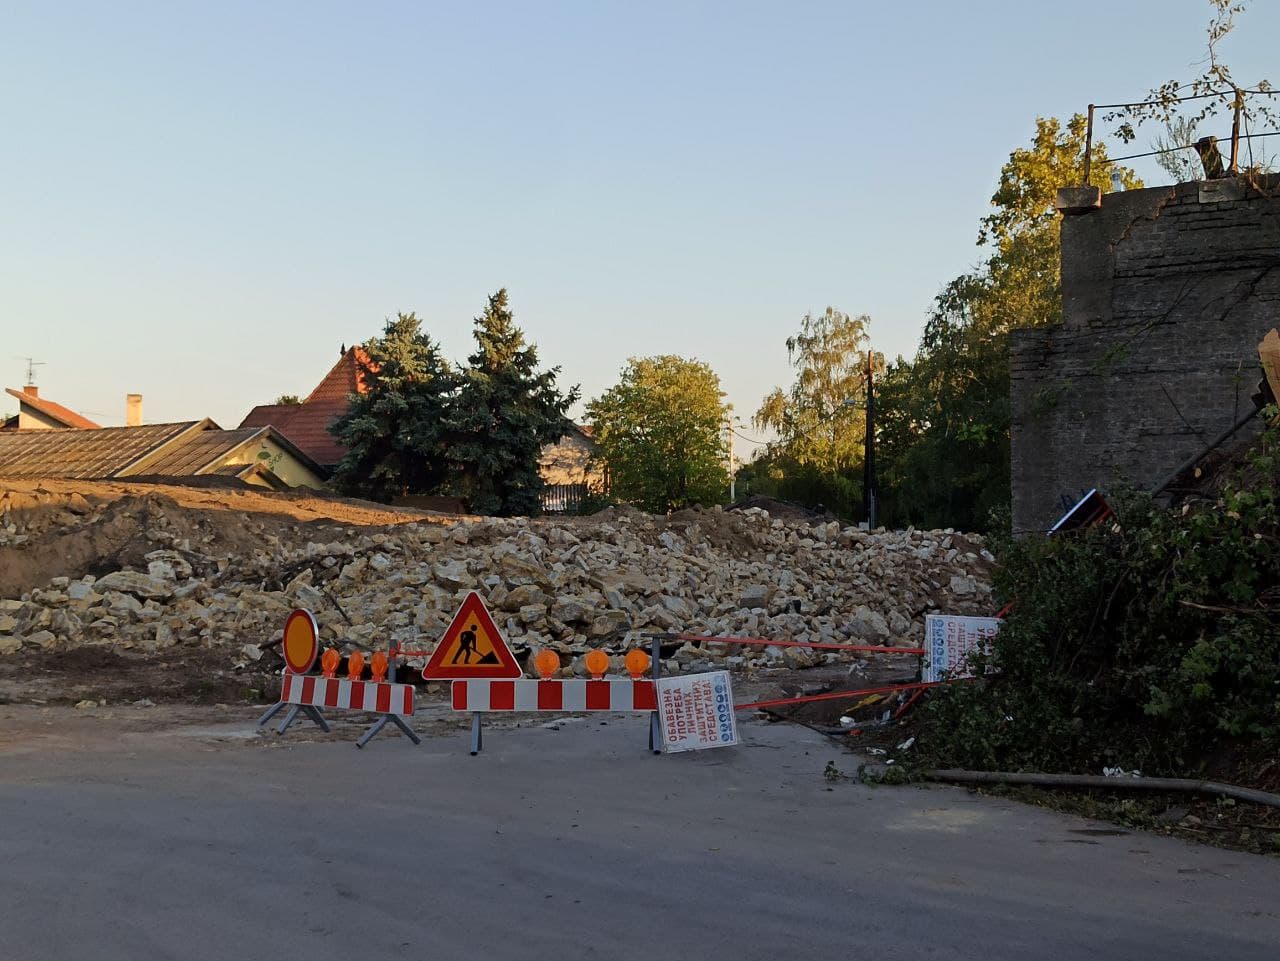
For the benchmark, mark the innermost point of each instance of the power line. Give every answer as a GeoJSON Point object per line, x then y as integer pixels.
{"type": "Point", "coordinates": [749, 440]}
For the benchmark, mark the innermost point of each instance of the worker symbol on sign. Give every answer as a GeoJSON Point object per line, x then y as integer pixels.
{"type": "Point", "coordinates": [467, 646]}
{"type": "Point", "coordinates": [472, 647]}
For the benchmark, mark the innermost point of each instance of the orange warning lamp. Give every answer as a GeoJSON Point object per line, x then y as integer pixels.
{"type": "Point", "coordinates": [378, 667]}
{"type": "Point", "coordinates": [329, 662]}
{"type": "Point", "coordinates": [597, 663]}
{"type": "Point", "coordinates": [355, 666]}
{"type": "Point", "coordinates": [637, 663]}
{"type": "Point", "coordinates": [546, 663]}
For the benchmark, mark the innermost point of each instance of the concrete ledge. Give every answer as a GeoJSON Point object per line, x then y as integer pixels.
{"type": "Point", "coordinates": [1222, 191]}
{"type": "Point", "coordinates": [1078, 200]}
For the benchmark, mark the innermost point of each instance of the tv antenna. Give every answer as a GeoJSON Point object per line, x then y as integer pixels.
{"type": "Point", "coordinates": [32, 364]}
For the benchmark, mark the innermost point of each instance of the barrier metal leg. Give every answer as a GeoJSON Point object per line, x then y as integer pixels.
{"type": "Point", "coordinates": [311, 712]}
{"type": "Point", "coordinates": [477, 734]}
{"type": "Point", "coordinates": [272, 711]}
{"type": "Point", "coordinates": [382, 722]}
{"type": "Point", "coordinates": [409, 732]}
{"type": "Point", "coordinates": [315, 715]}
{"type": "Point", "coordinates": [289, 718]}
{"type": "Point", "coordinates": [368, 735]}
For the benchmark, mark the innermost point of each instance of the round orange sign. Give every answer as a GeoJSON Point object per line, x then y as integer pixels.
{"type": "Point", "coordinates": [301, 642]}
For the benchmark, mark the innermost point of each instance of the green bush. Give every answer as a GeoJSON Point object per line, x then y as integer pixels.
{"type": "Point", "coordinates": [1150, 642]}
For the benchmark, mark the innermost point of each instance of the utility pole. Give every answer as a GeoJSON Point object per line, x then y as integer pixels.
{"type": "Point", "coordinates": [728, 426]}
{"type": "Point", "coordinates": [869, 447]}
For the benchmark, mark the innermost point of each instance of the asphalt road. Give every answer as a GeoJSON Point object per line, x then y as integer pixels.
{"type": "Point", "coordinates": [576, 843]}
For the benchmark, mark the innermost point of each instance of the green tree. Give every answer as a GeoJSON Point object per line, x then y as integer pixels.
{"type": "Point", "coordinates": [288, 400]}
{"type": "Point", "coordinates": [944, 416]}
{"type": "Point", "coordinates": [818, 420]}
{"type": "Point", "coordinates": [505, 412]}
{"type": "Point", "coordinates": [821, 420]}
{"type": "Point", "coordinates": [659, 434]}
{"type": "Point", "coordinates": [393, 432]}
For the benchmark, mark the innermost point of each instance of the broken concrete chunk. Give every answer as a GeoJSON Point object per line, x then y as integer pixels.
{"type": "Point", "coordinates": [756, 595]}
{"type": "Point", "coordinates": [136, 584]}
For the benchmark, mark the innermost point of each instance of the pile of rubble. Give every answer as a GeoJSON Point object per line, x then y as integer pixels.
{"type": "Point", "coordinates": [570, 584]}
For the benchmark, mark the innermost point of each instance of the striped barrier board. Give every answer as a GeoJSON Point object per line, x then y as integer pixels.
{"type": "Point", "coordinates": [527, 694]}
{"type": "Point", "coordinates": [379, 698]}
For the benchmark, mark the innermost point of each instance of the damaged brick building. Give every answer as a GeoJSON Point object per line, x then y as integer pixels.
{"type": "Point", "coordinates": [1166, 293]}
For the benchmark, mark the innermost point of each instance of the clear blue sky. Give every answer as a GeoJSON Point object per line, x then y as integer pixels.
{"type": "Point", "coordinates": [203, 201]}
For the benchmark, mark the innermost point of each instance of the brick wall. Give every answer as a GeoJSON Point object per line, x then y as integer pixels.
{"type": "Point", "coordinates": [1166, 293]}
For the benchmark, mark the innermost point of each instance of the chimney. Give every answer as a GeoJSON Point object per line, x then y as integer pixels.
{"type": "Point", "coordinates": [31, 390]}
{"type": "Point", "coordinates": [132, 410]}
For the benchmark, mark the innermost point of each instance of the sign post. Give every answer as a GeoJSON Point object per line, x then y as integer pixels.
{"type": "Point", "coordinates": [472, 648]}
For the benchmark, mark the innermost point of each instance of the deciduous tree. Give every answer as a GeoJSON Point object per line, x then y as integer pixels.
{"type": "Point", "coordinates": [944, 416]}
{"type": "Point", "coordinates": [659, 434]}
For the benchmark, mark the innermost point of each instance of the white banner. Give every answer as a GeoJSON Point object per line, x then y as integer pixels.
{"type": "Point", "coordinates": [950, 639]}
{"type": "Point", "coordinates": [696, 712]}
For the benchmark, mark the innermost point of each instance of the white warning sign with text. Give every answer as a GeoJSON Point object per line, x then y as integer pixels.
{"type": "Point", "coordinates": [950, 639]}
{"type": "Point", "coordinates": [696, 712]}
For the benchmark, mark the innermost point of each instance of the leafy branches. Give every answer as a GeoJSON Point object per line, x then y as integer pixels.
{"type": "Point", "coordinates": [659, 433]}
{"type": "Point", "coordinates": [1153, 642]}
{"type": "Point", "coordinates": [1213, 91]}
{"type": "Point", "coordinates": [819, 420]}
{"type": "Point", "coordinates": [945, 415]}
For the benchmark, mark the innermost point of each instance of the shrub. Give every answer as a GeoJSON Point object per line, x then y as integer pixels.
{"type": "Point", "coordinates": [1151, 642]}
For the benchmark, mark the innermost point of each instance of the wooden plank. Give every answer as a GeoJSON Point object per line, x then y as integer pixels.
{"type": "Point", "coordinates": [1269, 355]}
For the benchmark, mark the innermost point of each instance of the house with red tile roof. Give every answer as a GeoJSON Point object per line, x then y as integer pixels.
{"type": "Point", "coordinates": [307, 424]}
{"type": "Point", "coordinates": [566, 464]}
{"type": "Point", "coordinates": [40, 413]}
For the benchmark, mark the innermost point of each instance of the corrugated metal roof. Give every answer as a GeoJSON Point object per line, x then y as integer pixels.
{"type": "Point", "coordinates": [81, 454]}
{"type": "Point", "coordinates": [197, 451]}
{"type": "Point", "coordinates": [232, 470]}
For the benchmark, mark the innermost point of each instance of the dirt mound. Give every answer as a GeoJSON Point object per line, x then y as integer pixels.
{"type": "Point", "coordinates": [69, 529]}
{"type": "Point", "coordinates": [155, 573]}
{"type": "Point", "coordinates": [783, 510]}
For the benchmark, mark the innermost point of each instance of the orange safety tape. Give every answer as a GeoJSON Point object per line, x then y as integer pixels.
{"type": "Point", "coordinates": [863, 648]}
{"type": "Point", "coordinates": [835, 695]}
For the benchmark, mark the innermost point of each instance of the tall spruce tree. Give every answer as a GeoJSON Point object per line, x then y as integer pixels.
{"type": "Point", "coordinates": [505, 412]}
{"type": "Point", "coordinates": [394, 430]}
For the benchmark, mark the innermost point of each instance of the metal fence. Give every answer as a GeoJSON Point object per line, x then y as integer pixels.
{"type": "Point", "coordinates": [563, 498]}
{"type": "Point", "coordinates": [1236, 99]}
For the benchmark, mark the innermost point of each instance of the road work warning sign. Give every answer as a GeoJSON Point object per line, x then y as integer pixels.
{"type": "Point", "coordinates": [696, 712]}
{"type": "Point", "coordinates": [472, 647]}
{"type": "Point", "coordinates": [949, 640]}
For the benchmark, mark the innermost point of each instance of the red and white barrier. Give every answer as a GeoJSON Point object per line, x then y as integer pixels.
{"type": "Point", "coordinates": [527, 694]}
{"type": "Point", "coordinates": [380, 698]}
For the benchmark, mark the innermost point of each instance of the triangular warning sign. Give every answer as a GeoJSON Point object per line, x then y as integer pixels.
{"type": "Point", "coordinates": [472, 647]}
